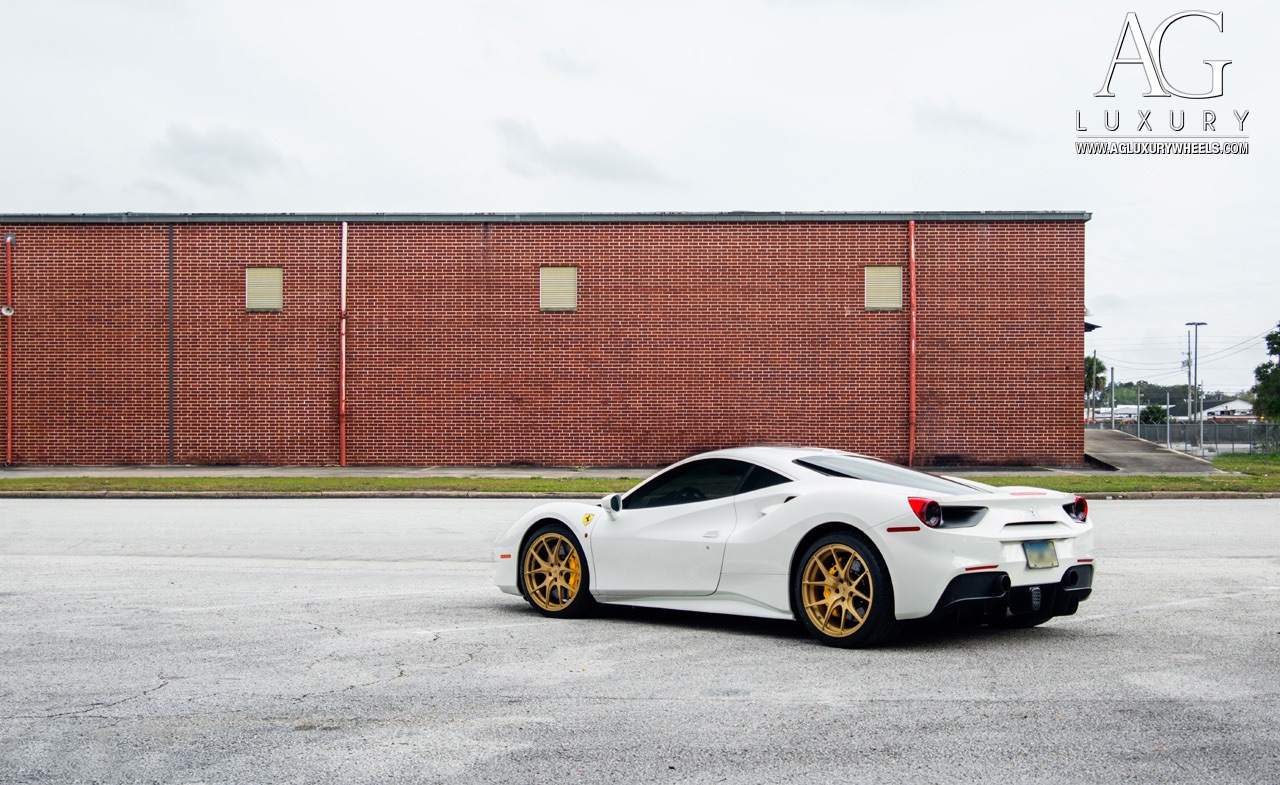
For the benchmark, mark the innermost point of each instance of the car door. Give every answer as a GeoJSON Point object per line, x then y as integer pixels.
{"type": "Point", "coordinates": [669, 537]}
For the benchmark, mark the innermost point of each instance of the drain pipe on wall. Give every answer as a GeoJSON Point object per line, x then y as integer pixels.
{"type": "Point", "coordinates": [7, 312]}
{"type": "Point", "coordinates": [911, 406]}
{"type": "Point", "coordinates": [342, 353]}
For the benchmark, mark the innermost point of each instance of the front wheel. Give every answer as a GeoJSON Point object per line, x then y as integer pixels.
{"type": "Point", "coordinates": [553, 573]}
{"type": "Point", "coordinates": [842, 593]}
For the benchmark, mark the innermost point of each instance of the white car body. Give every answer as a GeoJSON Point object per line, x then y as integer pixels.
{"type": "Point", "coordinates": [738, 554]}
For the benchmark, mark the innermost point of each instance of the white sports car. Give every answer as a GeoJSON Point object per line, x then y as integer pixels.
{"type": "Point", "coordinates": [849, 545]}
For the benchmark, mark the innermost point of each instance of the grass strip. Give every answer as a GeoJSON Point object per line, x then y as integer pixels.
{"type": "Point", "coordinates": [587, 486]}
{"type": "Point", "coordinates": [1252, 474]}
{"type": "Point", "coordinates": [1140, 483]}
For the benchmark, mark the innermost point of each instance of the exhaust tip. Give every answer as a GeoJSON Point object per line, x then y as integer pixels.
{"type": "Point", "coordinates": [1005, 583]}
{"type": "Point", "coordinates": [1072, 578]}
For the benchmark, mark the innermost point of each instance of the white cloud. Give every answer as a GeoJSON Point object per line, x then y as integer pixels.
{"type": "Point", "coordinates": [950, 119]}
{"type": "Point", "coordinates": [160, 194]}
{"type": "Point", "coordinates": [223, 157]}
{"type": "Point", "coordinates": [568, 65]}
{"type": "Point", "coordinates": [527, 154]}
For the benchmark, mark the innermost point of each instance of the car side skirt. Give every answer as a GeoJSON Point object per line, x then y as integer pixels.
{"type": "Point", "coordinates": [761, 596]}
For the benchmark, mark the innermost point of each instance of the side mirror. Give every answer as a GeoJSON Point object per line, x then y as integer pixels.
{"type": "Point", "coordinates": [612, 504]}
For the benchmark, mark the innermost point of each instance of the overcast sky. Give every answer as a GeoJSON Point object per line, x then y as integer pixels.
{"type": "Point", "coordinates": [605, 106]}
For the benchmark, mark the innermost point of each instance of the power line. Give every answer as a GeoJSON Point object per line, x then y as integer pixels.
{"type": "Point", "coordinates": [1129, 363]}
{"type": "Point", "coordinates": [1257, 339]}
{"type": "Point", "coordinates": [1220, 356]}
{"type": "Point", "coordinates": [1252, 342]}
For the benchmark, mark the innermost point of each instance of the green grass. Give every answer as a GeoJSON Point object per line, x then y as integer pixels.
{"type": "Point", "coordinates": [587, 486]}
{"type": "Point", "coordinates": [1252, 474]}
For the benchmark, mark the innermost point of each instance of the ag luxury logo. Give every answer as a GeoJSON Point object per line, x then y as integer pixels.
{"type": "Point", "coordinates": [1135, 131]}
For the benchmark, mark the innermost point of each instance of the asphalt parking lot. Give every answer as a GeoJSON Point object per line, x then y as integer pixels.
{"type": "Point", "coordinates": [305, 641]}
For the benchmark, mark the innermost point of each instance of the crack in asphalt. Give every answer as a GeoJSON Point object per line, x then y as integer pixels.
{"type": "Point", "coordinates": [468, 657]}
{"type": "Point", "coordinates": [94, 707]}
{"type": "Point", "coordinates": [400, 674]}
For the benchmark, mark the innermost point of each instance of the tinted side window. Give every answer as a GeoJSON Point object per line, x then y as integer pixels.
{"type": "Point", "coordinates": [880, 471]}
{"type": "Point", "coordinates": [761, 477]}
{"type": "Point", "coordinates": [714, 478]}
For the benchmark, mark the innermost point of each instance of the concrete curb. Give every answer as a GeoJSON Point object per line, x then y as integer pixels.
{"type": "Point", "coordinates": [296, 495]}
{"type": "Point", "coordinates": [1099, 496]}
{"type": "Point", "coordinates": [1116, 496]}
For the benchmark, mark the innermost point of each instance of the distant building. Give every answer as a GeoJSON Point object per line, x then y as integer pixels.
{"type": "Point", "coordinates": [1221, 410]}
{"type": "Point", "coordinates": [1123, 412]}
{"type": "Point", "coordinates": [1234, 409]}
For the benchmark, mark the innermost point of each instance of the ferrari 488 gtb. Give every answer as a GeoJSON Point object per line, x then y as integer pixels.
{"type": "Point", "coordinates": [849, 545]}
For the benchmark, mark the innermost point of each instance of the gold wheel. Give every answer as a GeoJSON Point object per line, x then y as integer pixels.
{"type": "Point", "coordinates": [836, 590]}
{"type": "Point", "coordinates": [552, 571]}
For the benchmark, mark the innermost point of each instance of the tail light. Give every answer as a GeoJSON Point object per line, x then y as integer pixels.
{"type": "Point", "coordinates": [927, 510]}
{"type": "Point", "coordinates": [1078, 509]}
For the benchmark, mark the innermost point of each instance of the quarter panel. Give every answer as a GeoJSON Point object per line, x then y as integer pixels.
{"type": "Point", "coordinates": [766, 537]}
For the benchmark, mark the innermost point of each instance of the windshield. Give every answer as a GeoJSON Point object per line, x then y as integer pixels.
{"type": "Point", "coordinates": [879, 471]}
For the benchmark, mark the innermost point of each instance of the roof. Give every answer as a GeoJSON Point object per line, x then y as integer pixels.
{"type": "Point", "coordinates": [534, 218]}
{"type": "Point", "coordinates": [1180, 410]}
{"type": "Point", "coordinates": [766, 453]}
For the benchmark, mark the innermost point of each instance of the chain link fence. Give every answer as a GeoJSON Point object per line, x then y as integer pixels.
{"type": "Point", "coordinates": [1219, 437]}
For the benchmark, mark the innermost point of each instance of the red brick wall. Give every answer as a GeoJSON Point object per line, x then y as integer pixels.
{"type": "Point", "coordinates": [1000, 342]}
{"type": "Point", "coordinates": [688, 336]}
{"type": "Point", "coordinates": [256, 387]}
{"type": "Point", "coordinates": [89, 344]}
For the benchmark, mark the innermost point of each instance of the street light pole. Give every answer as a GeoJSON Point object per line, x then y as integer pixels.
{"type": "Point", "coordinates": [1196, 365]}
{"type": "Point", "coordinates": [1186, 427]}
{"type": "Point", "coordinates": [1113, 397]}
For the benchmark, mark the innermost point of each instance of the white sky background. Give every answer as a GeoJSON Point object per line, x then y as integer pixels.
{"type": "Point", "coordinates": [606, 106]}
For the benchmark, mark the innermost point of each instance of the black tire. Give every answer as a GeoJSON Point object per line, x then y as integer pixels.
{"type": "Point", "coordinates": [842, 593]}
{"type": "Point", "coordinates": [553, 573]}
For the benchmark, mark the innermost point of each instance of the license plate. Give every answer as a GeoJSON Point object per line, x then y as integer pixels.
{"type": "Point", "coordinates": [1040, 554]}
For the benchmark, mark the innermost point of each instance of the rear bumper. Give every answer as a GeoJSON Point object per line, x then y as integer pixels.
{"type": "Point", "coordinates": [989, 597]}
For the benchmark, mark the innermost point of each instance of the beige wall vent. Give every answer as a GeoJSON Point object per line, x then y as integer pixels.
{"type": "Point", "coordinates": [883, 288]}
{"type": "Point", "coordinates": [558, 289]}
{"type": "Point", "coordinates": [264, 288]}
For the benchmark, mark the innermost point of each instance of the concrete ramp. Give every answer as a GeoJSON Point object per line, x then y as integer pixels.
{"type": "Point", "coordinates": [1132, 455]}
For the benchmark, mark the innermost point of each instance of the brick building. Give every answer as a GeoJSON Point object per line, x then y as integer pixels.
{"type": "Point", "coordinates": [546, 339]}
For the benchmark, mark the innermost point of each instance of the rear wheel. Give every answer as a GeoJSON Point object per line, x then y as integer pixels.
{"type": "Point", "coordinates": [842, 593]}
{"type": "Point", "coordinates": [553, 573]}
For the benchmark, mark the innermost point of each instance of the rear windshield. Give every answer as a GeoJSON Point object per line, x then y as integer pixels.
{"type": "Point", "coordinates": [879, 471]}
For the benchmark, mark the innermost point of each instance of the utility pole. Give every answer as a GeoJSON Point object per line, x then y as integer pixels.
{"type": "Point", "coordinates": [1138, 387]}
{"type": "Point", "coordinates": [1168, 423]}
{"type": "Point", "coordinates": [1113, 398]}
{"type": "Point", "coordinates": [1199, 397]}
{"type": "Point", "coordinates": [1186, 426]}
{"type": "Point", "coordinates": [1093, 392]}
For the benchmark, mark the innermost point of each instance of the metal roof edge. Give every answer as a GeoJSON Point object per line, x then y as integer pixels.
{"type": "Point", "coordinates": [517, 218]}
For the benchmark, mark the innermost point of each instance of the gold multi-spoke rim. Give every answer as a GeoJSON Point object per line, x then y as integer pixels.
{"type": "Point", "coordinates": [552, 571]}
{"type": "Point", "coordinates": [836, 590]}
